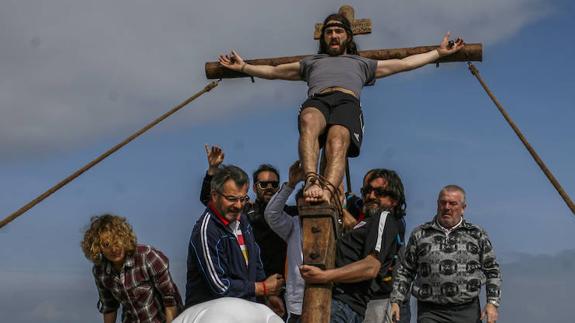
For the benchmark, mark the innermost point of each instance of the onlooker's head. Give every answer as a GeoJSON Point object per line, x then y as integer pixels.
{"type": "Point", "coordinates": [229, 188]}
{"type": "Point", "coordinates": [266, 182]}
{"type": "Point", "coordinates": [109, 237]}
{"type": "Point", "coordinates": [451, 204]}
{"type": "Point", "coordinates": [383, 190]}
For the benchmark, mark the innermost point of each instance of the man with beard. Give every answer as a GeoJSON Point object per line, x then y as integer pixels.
{"type": "Point", "coordinates": [266, 183]}
{"type": "Point", "coordinates": [223, 257]}
{"type": "Point", "coordinates": [448, 259]}
{"type": "Point", "coordinates": [363, 251]}
{"type": "Point", "coordinates": [332, 116]}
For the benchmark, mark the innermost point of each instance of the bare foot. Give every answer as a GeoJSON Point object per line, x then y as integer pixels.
{"type": "Point", "coordinates": [313, 192]}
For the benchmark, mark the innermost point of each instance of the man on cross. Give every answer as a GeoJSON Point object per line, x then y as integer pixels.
{"type": "Point", "coordinates": [332, 116]}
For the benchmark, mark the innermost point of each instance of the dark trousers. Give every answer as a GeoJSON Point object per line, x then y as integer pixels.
{"type": "Point", "coordinates": [293, 318]}
{"type": "Point", "coordinates": [449, 313]}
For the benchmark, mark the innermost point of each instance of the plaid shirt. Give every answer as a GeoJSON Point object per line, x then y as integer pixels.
{"type": "Point", "coordinates": [143, 287]}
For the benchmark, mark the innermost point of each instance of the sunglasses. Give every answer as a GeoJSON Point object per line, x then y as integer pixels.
{"type": "Point", "coordinates": [378, 191]}
{"type": "Point", "coordinates": [262, 185]}
{"type": "Point", "coordinates": [234, 199]}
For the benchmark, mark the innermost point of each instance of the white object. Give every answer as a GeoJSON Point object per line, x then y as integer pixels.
{"type": "Point", "coordinates": [228, 310]}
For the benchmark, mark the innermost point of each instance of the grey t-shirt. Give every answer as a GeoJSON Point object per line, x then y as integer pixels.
{"type": "Point", "coordinates": [351, 72]}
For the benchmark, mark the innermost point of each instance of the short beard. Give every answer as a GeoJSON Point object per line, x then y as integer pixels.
{"type": "Point", "coordinates": [336, 52]}
{"type": "Point", "coordinates": [373, 211]}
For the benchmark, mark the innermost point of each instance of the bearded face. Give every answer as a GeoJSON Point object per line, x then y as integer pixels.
{"type": "Point", "coordinates": [335, 40]}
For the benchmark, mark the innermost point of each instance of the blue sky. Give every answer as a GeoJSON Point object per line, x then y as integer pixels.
{"type": "Point", "coordinates": [79, 76]}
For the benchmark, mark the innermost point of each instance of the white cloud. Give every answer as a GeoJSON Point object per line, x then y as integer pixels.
{"type": "Point", "coordinates": [74, 71]}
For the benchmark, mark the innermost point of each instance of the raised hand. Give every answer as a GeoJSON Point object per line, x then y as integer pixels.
{"type": "Point", "coordinates": [215, 156]}
{"type": "Point", "coordinates": [233, 61]}
{"type": "Point", "coordinates": [448, 47]}
{"type": "Point", "coordinates": [296, 174]}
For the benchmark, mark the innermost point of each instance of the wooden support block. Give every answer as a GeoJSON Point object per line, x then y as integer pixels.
{"type": "Point", "coordinates": [320, 227]}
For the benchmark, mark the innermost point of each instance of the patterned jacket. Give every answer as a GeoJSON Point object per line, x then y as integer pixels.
{"type": "Point", "coordinates": [448, 267]}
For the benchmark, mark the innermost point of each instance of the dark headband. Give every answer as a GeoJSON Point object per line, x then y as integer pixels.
{"type": "Point", "coordinates": [336, 24]}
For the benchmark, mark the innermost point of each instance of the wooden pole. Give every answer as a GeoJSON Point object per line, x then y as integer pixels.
{"type": "Point", "coordinates": [471, 52]}
{"type": "Point", "coordinates": [531, 150]}
{"type": "Point", "coordinates": [319, 234]}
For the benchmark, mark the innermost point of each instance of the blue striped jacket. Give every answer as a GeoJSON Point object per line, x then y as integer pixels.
{"type": "Point", "coordinates": [216, 265]}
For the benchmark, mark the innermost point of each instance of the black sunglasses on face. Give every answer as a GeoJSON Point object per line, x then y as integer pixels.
{"type": "Point", "coordinates": [378, 191]}
{"type": "Point", "coordinates": [262, 185]}
{"type": "Point", "coordinates": [234, 199]}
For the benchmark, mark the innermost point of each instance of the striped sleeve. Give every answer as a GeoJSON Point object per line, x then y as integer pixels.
{"type": "Point", "coordinates": [207, 246]}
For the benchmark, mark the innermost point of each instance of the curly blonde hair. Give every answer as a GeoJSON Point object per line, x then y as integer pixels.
{"type": "Point", "coordinates": [116, 226]}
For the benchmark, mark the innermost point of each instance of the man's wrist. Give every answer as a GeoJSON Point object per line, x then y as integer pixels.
{"type": "Point", "coordinates": [258, 289]}
{"type": "Point", "coordinates": [493, 302]}
{"type": "Point", "coordinates": [438, 53]}
{"type": "Point", "coordinates": [242, 69]}
{"type": "Point", "coordinates": [212, 170]}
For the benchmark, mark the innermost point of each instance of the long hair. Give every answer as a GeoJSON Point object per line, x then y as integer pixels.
{"type": "Point", "coordinates": [394, 186]}
{"type": "Point", "coordinates": [351, 47]}
{"type": "Point", "coordinates": [117, 226]}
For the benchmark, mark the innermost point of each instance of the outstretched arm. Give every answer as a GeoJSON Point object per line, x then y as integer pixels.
{"type": "Point", "coordinates": [234, 62]}
{"type": "Point", "coordinates": [391, 66]}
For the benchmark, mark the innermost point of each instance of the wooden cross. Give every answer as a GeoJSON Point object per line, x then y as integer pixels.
{"type": "Point", "coordinates": [320, 223]}
{"type": "Point", "coordinates": [471, 52]}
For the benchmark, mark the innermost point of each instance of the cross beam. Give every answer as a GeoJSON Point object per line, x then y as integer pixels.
{"type": "Point", "coordinates": [469, 53]}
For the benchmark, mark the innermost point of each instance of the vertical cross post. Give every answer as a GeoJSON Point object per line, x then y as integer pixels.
{"type": "Point", "coordinates": [320, 227]}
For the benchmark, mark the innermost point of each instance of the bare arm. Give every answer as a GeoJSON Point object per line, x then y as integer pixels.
{"type": "Point", "coordinates": [364, 269]}
{"type": "Point", "coordinates": [289, 72]}
{"type": "Point", "coordinates": [392, 66]}
{"type": "Point", "coordinates": [110, 317]}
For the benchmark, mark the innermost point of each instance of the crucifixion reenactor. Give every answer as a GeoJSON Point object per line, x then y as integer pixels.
{"type": "Point", "coordinates": [331, 117]}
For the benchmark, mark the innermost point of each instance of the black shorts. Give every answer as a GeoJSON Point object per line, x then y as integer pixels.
{"type": "Point", "coordinates": [339, 109]}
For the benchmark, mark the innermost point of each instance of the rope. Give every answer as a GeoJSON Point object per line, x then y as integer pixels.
{"type": "Point", "coordinates": [112, 150]}
{"type": "Point", "coordinates": [531, 150]}
{"type": "Point", "coordinates": [312, 178]}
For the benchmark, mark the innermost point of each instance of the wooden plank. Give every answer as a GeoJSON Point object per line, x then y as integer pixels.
{"type": "Point", "coordinates": [471, 52]}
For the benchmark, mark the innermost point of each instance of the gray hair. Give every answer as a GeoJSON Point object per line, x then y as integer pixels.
{"type": "Point", "coordinates": [228, 172]}
{"type": "Point", "coordinates": [454, 188]}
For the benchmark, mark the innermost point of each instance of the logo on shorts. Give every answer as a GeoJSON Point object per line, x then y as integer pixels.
{"type": "Point", "coordinates": [356, 136]}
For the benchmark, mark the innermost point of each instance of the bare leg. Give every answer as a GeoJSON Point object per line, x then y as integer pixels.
{"type": "Point", "coordinates": [336, 147]}
{"type": "Point", "coordinates": [322, 163]}
{"type": "Point", "coordinates": [312, 125]}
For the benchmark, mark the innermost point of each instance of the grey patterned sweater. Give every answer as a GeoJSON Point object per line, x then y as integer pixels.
{"type": "Point", "coordinates": [448, 267]}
